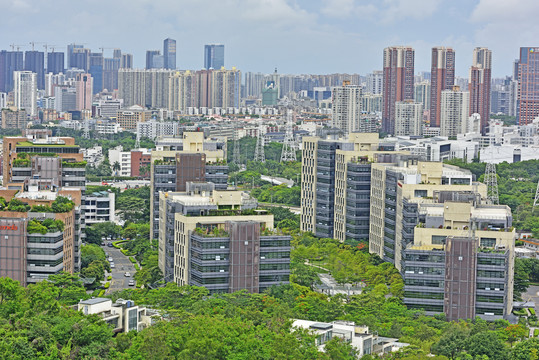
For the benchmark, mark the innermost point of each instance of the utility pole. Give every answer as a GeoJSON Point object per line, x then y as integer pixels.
{"type": "Point", "coordinates": [492, 184]}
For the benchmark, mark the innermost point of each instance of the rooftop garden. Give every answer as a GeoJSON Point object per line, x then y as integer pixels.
{"type": "Point", "coordinates": [221, 162]}
{"type": "Point", "coordinates": [215, 232]}
{"type": "Point", "coordinates": [74, 164]}
{"type": "Point", "coordinates": [31, 144]}
{"type": "Point", "coordinates": [61, 205]}
{"type": "Point", "coordinates": [44, 226]}
{"type": "Point", "coordinates": [21, 163]}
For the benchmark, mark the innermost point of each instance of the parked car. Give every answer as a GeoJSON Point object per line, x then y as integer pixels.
{"type": "Point", "coordinates": [127, 274]}
{"type": "Point", "coordinates": [109, 244]}
{"type": "Point", "coordinates": [112, 266]}
{"type": "Point", "coordinates": [111, 259]}
{"type": "Point", "coordinates": [131, 282]}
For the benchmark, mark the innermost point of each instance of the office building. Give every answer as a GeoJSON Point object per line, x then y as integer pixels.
{"type": "Point", "coordinates": [141, 160]}
{"type": "Point", "coordinates": [65, 98]}
{"type": "Point", "coordinates": [398, 83]}
{"type": "Point", "coordinates": [214, 56]}
{"type": "Point", "coordinates": [37, 170]}
{"type": "Point", "coordinates": [175, 161]}
{"type": "Point", "coordinates": [14, 119]}
{"type": "Point", "coordinates": [217, 239]}
{"type": "Point", "coordinates": [169, 54]}
{"type": "Point", "coordinates": [123, 158]}
{"type": "Point", "coordinates": [153, 59]}
{"type": "Point", "coordinates": [121, 316]}
{"type": "Point", "coordinates": [34, 61]}
{"type": "Point", "coordinates": [346, 107]}
{"type": "Point", "coordinates": [10, 61]}
{"type": "Point", "coordinates": [23, 234]}
{"type": "Point", "coordinates": [394, 187]}
{"type": "Point", "coordinates": [479, 85]}
{"type": "Point", "coordinates": [454, 112]}
{"type": "Point", "coordinates": [99, 207]}
{"type": "Point", "coordinates": [335, 192]}
{"type": "Point", "coordinates": [461, 261]}
{"type": "Point", "coordinates": [55, 62]}
{"type": "Point", "coordinates": [408, 118]}
{"type": "Point", "coordinates": [84, 86]}
{"type": "Point", "coordinates": [442, 77]}
{"type": "Point", "coordinates": [25, 91]}
{"type": "Point", "coordinates": [96, 66]}
{"type": "Point", "coordinates": [528, 86]}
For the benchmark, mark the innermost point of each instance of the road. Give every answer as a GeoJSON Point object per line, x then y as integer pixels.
{"type": "Point", "coordinates": [122, 265]}
{"type": "Point", "coordinates": [532, 295]}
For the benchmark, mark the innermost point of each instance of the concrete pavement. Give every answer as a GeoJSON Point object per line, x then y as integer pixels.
{"type": "Point", "coordinates": [122, 265]}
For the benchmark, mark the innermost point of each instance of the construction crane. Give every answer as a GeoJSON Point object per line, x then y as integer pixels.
{"type": "Point", "coordinates": [47, 46]}
{"type": "Point", "coordinates": [13, 46]}
{"type": "Point", "coordinates": [33, 44]}
{"type": "Point", "coordinates": [102, 48]}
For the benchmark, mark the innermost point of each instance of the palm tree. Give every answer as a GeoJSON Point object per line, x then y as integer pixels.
{"type": "Point", "coordinates": [116, 167]}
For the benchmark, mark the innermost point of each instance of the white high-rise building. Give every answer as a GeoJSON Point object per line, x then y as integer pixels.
{"type": "Point", "coordinates": [375, 82]}
{"type": "Point", "coordinates": [25, 91]}
{"type": "Point", "coordinates": [346, 105]}
{"type": "Point", "coordinates": [408, 118]}
{"type": "Point", "coordinates": [454, 113]}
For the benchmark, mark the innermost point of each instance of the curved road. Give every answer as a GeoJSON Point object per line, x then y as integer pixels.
{"type": "Point", "coordinates": [122, 265]}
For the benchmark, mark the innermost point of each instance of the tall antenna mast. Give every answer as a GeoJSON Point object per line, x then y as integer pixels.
{"type": "Point", "coordinates": [289, 148]}
{"type": "Point", "coordinates": [492, 184]}
{"type": "Point", "coordinates": [259, 149]}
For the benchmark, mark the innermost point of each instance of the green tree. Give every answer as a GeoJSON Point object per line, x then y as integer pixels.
{"type": "Point", "coordinates": [487, 343]}
{"type": "Point", "coordinates": [452, 343]}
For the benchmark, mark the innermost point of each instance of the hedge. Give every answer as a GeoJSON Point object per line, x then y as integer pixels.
{"type": "Point", "coordinates": [532, 311]}
{"type": "Point", "coordinates": [535, 332]}
{"type": "Point", "coordinates": [109, 277]}
{"type": "Point", "coordinates": [132, 259]}
{"type": "Point", "coordinates": [101, 293]}
{"type": "Point", "coordinates": [116, 243]}
{"type": "Point", "coordinates": [125, 252]}
{"type": "Point", "coordinates": [107, 285]}
{"type": "Point", "coordinates": [137, 267]}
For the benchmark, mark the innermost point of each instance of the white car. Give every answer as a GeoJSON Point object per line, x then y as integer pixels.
{"type": "Point", "coordinates": [111, 259]}
{"type": "Point", "coordinates": [127, 274]}
{"type": "Point", "coordinates": [112, 266]}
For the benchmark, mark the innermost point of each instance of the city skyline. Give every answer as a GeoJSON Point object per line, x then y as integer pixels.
{"type": "Point", "coordinates": [296, 31]}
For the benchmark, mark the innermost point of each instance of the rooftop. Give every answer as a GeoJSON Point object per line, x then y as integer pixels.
{"type": "Point", "coordinates": [94, 301]}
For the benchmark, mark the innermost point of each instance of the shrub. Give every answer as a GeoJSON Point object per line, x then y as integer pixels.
{"type": "Point", "coordinates": [62, 205]}
{"type": "Point", "coordinates": [101, 293]}
{"type": "Point", "coordinates": [532, 311]}
{"type": "Point", "coordinates": [132, 259]}
{"type": "Point", "coordinates": [137, 267]}
{"type": "Point", "coordinates": [107, 285]}
{"type": "Point", "coordinates": [109, 277]}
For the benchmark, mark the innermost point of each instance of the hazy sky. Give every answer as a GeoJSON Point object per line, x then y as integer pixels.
{"type": "Point", "coordinates": [296, 36]}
